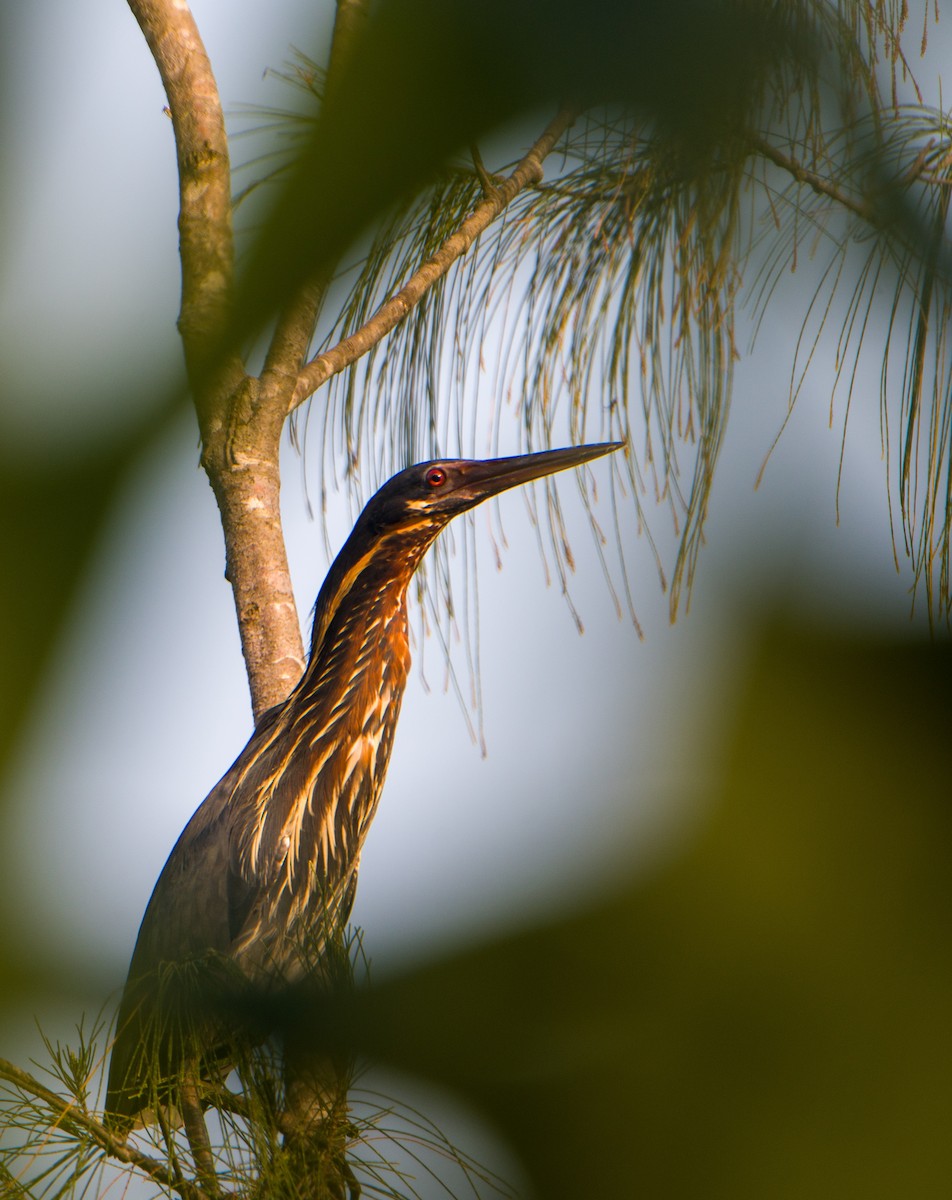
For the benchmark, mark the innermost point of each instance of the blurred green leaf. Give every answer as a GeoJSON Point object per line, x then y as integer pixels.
{"type": "Point", "coordinates": [53, 511]}
{"type": "Point", "coordinates": [51, 517]}
{"type": "Point", "coordinates": [766, 1016]}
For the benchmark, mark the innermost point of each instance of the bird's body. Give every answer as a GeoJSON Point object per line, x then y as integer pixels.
{"type": "Point", "coordinates": [266, 868]}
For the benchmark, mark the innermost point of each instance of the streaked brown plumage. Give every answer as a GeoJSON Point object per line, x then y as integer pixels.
{"type": "Point", "coordinates": [268, 862]}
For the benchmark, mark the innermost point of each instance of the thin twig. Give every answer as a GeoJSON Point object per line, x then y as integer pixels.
{"type": "Point", "coordinates": [70, 1118]}
{"type": "Point", "coordinates": [823, 187]}
{"type": "Point", "coordinates": [486, 180]}
{"type": "Point", "coordinates": [292, 334]}
{"type": "Point", "coordinates": [349, 24]}
{"type": "Point", "coordinates": [347, 351]}
{"type": "Point", "coordinates": [197, 1133]}
{"type": "Point", "coordinates": [287, 351]}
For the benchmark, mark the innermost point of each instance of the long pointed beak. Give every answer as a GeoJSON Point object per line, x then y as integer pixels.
{"type": "Point", "coordinates": [491, 476]}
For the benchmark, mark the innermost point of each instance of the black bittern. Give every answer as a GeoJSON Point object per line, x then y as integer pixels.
{"type": "Point", "coordinates": [268, 863]}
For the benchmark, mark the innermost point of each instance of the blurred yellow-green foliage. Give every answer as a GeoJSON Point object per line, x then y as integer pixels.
{"type": "Point", "coordinates": [767, 1014]}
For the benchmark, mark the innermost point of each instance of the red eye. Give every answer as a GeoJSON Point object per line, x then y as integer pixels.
{"type": "Point", "coordinates": [435, 477]}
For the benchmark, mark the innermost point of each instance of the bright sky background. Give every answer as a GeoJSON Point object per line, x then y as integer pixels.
{"type": "Point", "coordinates": [596, 744]}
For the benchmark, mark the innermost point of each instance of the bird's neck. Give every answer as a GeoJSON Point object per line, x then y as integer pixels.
{"type": "Point", "coordinates": [359, 637]}
{"type": "Point", "coordinates": [363, 637]}
{"type": "Point", "coordinates": [320, 763]}
{"type": "Point", "coordinates": [362, 584]}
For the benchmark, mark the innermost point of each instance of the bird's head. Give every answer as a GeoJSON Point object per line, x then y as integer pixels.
{"type": "Point", "coordinates": [402, 519]}
{"type": "Point", "coordinates": [424, 498]}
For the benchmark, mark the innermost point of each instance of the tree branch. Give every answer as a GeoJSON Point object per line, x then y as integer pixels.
{"type": "Point", "coordinates": [206, 241]}
{"type": "Point", "coordinates": [70, 1118]}
{"type": "Point", "coordinates": [822, 187]}
{"type": "Point", "coordinates": [240, 431]}
{"type": "Point", "coordinates": [287, 351]}
{"type": "Point", "coordinates": [347, 351]}
{"type": "Point", "coordinates": [246, 471]}
{"type": "Point", "coordinates": [349, 23]}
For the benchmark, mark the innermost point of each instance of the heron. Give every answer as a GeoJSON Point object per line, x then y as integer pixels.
{"type": "Point", "coordinates": [265, 871]}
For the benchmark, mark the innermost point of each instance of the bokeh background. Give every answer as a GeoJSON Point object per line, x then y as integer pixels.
{"type": "Point", "coordinates": [756, 794]}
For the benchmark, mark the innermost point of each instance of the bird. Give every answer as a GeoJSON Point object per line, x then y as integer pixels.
{"type": "Point", "coordinates": [265, 871]}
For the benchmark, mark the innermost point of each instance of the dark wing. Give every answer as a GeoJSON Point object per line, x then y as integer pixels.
{"type": "Point", "coordinates": [241, 897]}
{"type": "Point", "coordinates": [186, 917]}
